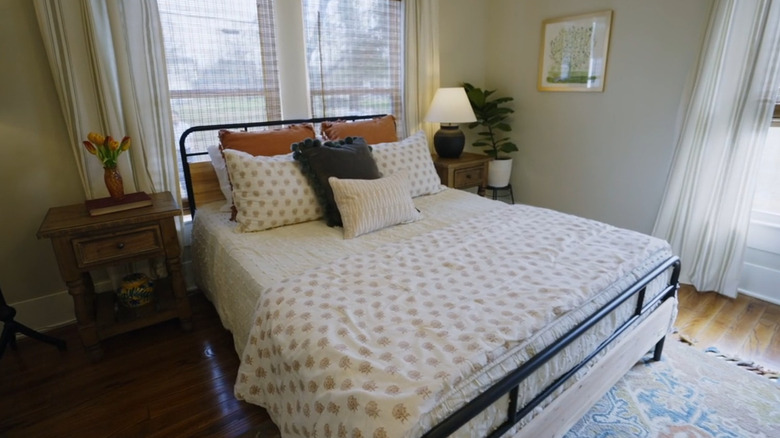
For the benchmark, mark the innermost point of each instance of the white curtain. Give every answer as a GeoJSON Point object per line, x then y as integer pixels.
{"type": "Point", "coordinates": [706, 208]}
{"type": "Point", "coordinates": [108, 64]}
{"type": "Point", "coordinates": [421, 64]}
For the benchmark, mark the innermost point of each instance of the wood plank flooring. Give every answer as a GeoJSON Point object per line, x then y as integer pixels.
{"type": "Point", "coordinates": [745, 327]}
{"type": "Point", "coordinates": [163, 382]}
{"type": "Point", "coordinates": [155, 382]}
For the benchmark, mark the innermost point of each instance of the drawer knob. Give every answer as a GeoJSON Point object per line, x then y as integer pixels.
{"type": "Point", "coordinates": [120, 245]}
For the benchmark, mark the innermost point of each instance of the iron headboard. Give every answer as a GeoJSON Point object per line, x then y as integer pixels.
{"type": "Point", "coordinates": [185, 156]}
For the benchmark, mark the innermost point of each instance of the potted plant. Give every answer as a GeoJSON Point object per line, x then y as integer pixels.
{"type": "Point", "coordinates": [491, 114]}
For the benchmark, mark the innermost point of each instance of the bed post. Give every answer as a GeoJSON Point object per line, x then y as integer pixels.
{"type": "Point", "coordinates": [659, 349]}
{"type": "Point", "coordinates": [674, 281]}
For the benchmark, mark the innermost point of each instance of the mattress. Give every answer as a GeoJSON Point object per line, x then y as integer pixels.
{"type": "Point", "coordinates": [501, 282]}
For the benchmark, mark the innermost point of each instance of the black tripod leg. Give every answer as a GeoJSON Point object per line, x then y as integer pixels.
{"type": "Point", "coordinates": [40, 336]}
{"type": "Point", "coordinates": [6, 338]}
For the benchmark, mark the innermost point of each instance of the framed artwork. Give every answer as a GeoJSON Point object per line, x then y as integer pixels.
{"type": "Point", "coordinates": [574, 52]}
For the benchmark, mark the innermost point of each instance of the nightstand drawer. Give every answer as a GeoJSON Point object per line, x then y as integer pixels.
{"type": "Point", "coordinates": [101, 249]}
{"type": "Point", "coordinates": [468, 177]}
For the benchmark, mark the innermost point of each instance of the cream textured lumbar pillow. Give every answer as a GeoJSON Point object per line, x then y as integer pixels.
{"type": "Point", "coordinates": [269, 192]}
{"type": "Point", "coordinates": [371, 205]}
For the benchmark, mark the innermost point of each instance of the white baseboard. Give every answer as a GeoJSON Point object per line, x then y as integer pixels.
{"type": "Point", "coordinates": [46, 312]}
{"type": "Point", "coordinates": [56, 310]}
{"type": "Point", "coordinates": [760, 282]}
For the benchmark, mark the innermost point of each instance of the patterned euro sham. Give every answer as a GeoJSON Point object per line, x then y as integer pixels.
{"type": "Point", "coordinates": [269, 192]}
{"type": "Point", "coordinates": [410, 155]}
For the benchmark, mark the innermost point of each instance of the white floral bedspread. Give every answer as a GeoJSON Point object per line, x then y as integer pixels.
{"type": "Point", "coordinates": [368, 345]}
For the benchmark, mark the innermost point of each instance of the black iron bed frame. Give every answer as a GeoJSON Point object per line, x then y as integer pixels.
{"type": "Point", "coordinates": [185, 155]}
{"type": "Point", "coordinates": [509, 384]}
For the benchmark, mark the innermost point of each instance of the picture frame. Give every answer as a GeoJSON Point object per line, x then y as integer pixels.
{"type": "Point", "coordinates": [573, 55]}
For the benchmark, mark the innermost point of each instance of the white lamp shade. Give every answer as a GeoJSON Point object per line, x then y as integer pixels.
{"type": "Point", "coordinates": [450, 105]}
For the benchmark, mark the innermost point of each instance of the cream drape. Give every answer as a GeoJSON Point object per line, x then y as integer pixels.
{"type": "Point", "coordinates": [108, 64]}
{"type": "Point", "coordinates": [421, 62]}
{"type": "Point", "coordinates": [705, 211]}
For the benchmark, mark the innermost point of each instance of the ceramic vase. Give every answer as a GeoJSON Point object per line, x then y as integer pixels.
{"type": "Point", "coordinates": [137, 290]}
{"type": "Point", "coordinates": [113, 180]}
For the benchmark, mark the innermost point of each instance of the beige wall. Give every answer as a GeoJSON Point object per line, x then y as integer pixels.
{"type": "Point", "coordinates": [605, 155]}
{"type": "Point", "coordinates": [462, 39]}
{"type": "Point", "coordinates": [600, 155]}
{"type": "Point", "coordinates": [37, 168]}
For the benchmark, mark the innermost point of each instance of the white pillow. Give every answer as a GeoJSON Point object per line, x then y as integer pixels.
{"type": "Point", "coordinates": [218, 162]}
{"type": "Point", "coordinates": [269, 192]}
{"type": "Point", "coordinates": [410, 155]}
{"type": "Point", "coordinates": [368, 205]}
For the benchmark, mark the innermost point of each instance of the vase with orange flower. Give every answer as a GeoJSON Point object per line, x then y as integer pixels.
{"type": "Point", "coordinates": [107, 150]}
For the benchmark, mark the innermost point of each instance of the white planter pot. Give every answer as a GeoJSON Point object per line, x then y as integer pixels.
{"type": "Point", "coordinates": [499, 172]}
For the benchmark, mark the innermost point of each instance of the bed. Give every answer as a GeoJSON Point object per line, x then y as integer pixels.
{"type": "Point", "coordinates": [476, 319]}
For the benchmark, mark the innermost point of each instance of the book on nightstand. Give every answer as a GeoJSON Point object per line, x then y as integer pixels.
{"type": "Point", "coordinates": [99, 206]}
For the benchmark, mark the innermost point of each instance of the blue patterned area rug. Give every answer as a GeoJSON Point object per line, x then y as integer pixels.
{"type": "Point", "coordinates": [687, 394]}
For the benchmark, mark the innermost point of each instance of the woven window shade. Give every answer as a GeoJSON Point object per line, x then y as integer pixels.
{"type": "Point", "coordinates": [354, 56]}
{"type": "Point", "coordinates": [221, 61]}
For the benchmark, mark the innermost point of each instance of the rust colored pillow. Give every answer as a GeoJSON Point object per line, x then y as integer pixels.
{"type": "Point", "coordinates": [268, 143]}
{"type": "Point", "coordinates": [374, 131]}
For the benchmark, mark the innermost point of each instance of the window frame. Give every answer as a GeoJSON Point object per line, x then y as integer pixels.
{"type": "Point", "coordinates": [273, 74]}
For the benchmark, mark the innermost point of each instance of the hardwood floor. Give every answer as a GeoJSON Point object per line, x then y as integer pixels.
{"type": "Point", "coordinates": [155, 382]}
{"type": "Point", "coordinates": [163, 382]}
{"type": "Point", "coordinates": [745, 327]}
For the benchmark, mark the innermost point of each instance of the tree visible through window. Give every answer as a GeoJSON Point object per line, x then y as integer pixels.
{"type": "Point", "coordinates": [354, 56]}
{"type": "Point", "coordinates": [221, 61]}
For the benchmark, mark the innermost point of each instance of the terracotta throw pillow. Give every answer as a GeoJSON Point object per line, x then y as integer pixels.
{"type": "Point", "coordinates": [379, 130]}
{"type": "Point", "coordinates": [268, 143]}
{"type": "Point", "coordinates": [346, 159]}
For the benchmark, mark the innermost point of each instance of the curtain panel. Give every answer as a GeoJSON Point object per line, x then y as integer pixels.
{"type": "Point", "coordinates": [706, 208]}
{"type": "Point", "coordinates": [421, 68]}
{"type": "Point", "coordinates": [108, 65]}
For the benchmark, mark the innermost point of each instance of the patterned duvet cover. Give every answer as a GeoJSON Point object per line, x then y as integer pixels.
{"type": "Point", "coordinates": [388, 342]}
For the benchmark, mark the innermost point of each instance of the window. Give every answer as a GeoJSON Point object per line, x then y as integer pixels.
{"type": "Point", "coordinates": [354, 56]}
{"type": "Point", "coordinates": [221, 61]}
{"type": "Point", "coordinates": [767, 197]}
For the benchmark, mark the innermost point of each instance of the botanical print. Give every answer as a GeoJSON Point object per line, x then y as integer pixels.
{"type": "Point", "coordinates": [570, 52]}
{"type": "Point", "coordinates": [574, 53]}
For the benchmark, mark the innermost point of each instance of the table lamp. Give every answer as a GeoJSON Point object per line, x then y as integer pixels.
{"type": "Point", "coordinates": [449, 107]}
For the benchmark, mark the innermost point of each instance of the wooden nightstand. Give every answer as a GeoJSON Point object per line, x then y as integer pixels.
{"type": "Point", "coordinates": [83, 243]}
{"type": "Point", "coordinates": [468, 170]}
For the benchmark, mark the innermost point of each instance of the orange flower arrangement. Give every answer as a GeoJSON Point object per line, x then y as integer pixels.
{"type": "Point", "coordinates": [106, 148]}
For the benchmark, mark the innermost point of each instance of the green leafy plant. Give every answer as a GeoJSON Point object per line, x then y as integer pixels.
{"type": "Point", "coordinates": [491, 114]}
